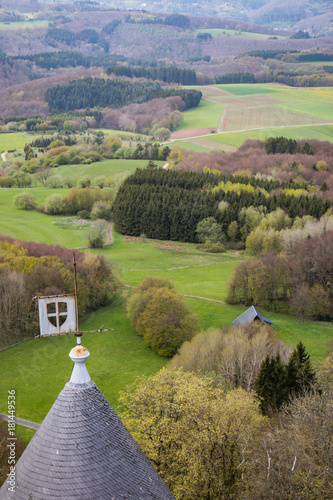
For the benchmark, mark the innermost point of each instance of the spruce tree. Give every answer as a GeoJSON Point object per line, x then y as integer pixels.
{"type": "Point", "coordinates": [271, 384]}
{"type": "Point", "coordinates": [301, 376]}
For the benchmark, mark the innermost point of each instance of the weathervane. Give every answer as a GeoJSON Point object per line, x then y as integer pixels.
{"type": "Point", "coordinates": [59, 314]}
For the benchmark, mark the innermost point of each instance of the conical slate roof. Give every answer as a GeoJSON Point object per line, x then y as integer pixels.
{"type": "Point", "coordinates": [82, 451]}
{"type": "Point", "coordinates": [250, 315]}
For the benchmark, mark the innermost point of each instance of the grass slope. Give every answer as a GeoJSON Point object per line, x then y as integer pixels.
{"type": "Point", "coordinates": [320, 132]}
{"type": "Point", "coordinates": [234, 33]}
{"type": "Point", "coordinates": [12, 141]}
{"type": "Point", "coordinates": [34, 226]}
{"type": "Point", "coordinates": [107, 168]}
{"type": "Point", "coordinates": [23, 25]}
{"type": "Point", "coordinates": [207, 114]}
{"type": "Point", "coordinates": [38, 369]}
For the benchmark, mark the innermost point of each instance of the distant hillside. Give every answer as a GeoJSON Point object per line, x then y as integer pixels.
{"type": "Point", "coordinates": [280, 13]}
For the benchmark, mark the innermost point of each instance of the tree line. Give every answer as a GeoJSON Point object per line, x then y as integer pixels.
{"type": "Point", "coordinates": [166, 74]}
{"type": "Point", "coordinates": [301, 278]}
{"type": "Point", "coordinates": [134, 69]}
{"type": "Point", "coordinates": [276, 145]}
{"type": "Point", "coordinates": [89, 92]}
{"type": "Point", "coordinates": [170, 204]}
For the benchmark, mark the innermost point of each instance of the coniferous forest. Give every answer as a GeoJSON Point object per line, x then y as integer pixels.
{"type": "Point", "coordinates": [91, 92]}
{"type": "Point", "coordinates": [169, 204]}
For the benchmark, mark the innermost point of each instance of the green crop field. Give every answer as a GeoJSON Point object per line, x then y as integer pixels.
{"type": "Point", "coordinates": [259, 111]}
{"type": "Point", "coordinates": [207, 114]}
{"type": "Point", "coordinates": [228, 33]}
{"type": "Point", "coordinates": [248, 89]}
{"type": "Point", "coordinates": [319, 132]}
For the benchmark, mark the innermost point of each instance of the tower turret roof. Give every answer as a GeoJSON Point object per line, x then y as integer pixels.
{"type": "Point", "coordinates": [82, 451]}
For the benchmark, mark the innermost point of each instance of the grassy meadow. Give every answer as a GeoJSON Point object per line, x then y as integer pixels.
{"type": "Point", "coordinates": [34, 226]}
{"type": "Point", "coordinates": [12, 141]}
{"type": "Point", "coordinates": [118, 357]}
{"type": "Point", "coordinates": [23, 25]}
{"type": "Point", "coordinates": [108, 168]}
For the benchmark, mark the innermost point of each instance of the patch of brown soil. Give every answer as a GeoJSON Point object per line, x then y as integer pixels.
{"type": "Point", "coordinates": [194, 132]}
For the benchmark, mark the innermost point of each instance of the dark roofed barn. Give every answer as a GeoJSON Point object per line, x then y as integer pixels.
{"type": "Point", "coordinates": [82, 451]}
{"type": "Point", "coordinates": [251, 314]}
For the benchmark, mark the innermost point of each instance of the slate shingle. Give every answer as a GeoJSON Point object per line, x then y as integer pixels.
{"type": "Point", "coordinates": [82, 451]}
{"type": "Point", "coordinates": [250, 315]}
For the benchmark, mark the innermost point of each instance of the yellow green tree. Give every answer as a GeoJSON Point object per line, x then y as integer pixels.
{"type": "Point", "coordinates": [198, 437]}
{"type": "Point", "coordinates": [161, 316]}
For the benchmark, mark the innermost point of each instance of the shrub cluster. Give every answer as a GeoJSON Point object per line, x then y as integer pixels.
{"type": "Point", "coordinates": [160, 316]}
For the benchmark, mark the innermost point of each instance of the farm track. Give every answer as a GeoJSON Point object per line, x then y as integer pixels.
{"type": "Point", "coordinates": [190, 296]}
{"type": "Point", "coordinates": [184, 267]}
{"type": "Point", "coordinates": [220, 128]}
{"type": "Point", "coordinates": [249, 129]}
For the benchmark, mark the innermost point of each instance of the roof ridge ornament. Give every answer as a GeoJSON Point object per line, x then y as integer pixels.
{"type": "Point", "coordinates": [79, 356]}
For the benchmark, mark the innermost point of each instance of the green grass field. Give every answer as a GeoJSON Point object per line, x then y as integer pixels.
{"type": "Point", "coordinates": [38, 369]}
{"type": "Point", "coordinates": [259, 111]}
{"type": "Point", "coordinates": [23, 25]}
{"type": "Point", "coordinates": [193, 272]}
{"type": "Point", "coordinates": [106, 167]}
{"type": "Point", "coordinates": [320, 132]}
{"type": "Point", "coordinates": [12, 141]}
{"type": "Point", "coordinates": [243, 34]}
{"type": "Point", "coordinates": [247, 89]}
{"type": "Point", "coordinates": [207, 114]}
{"type": "Point", "coordinates": [34, 226]}
{"type": "Point", "coordinates": [118, 357]}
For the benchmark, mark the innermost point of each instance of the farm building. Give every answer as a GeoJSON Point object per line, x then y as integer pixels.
{"type": "Point", "coordinates": [251, 314]}
{"type": "Point", "coordinates": [82, 451]}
